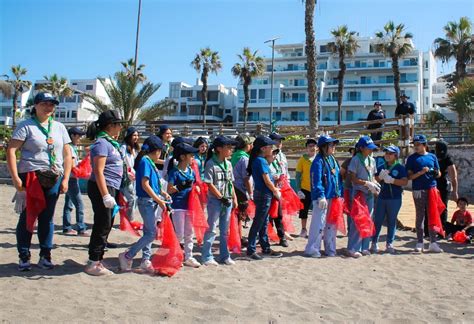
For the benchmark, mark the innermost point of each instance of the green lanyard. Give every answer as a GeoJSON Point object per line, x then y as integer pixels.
{"type": "Point", "coordinates": [333, 168]}
{"type": "Point", "coordinates": [202, 163]}
{"type": "Point", "coordinates": [116, 145]}
{"type": "Point", "coordinates": [277, 166]}
{"type": "Point", "coordinates": [74, 148]}
{"type": "Point", "coordinates": [225, 171]}
{"type": "Point", "coordinates": [153, 166]}
{"type": "Point", "coordinates": [49, 139]}
{"type": "Point", "coordinates": [390, 170]}
{"type": "Point", "coordinates": [362, 160]}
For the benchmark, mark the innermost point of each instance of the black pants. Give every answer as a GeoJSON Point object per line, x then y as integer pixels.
{"type": "Point", "coordinates": [278, 223]}
{"type": "Point", "coordinates": [306, 203]}
{"type": "Point", "coordinates": [444, 215]}
{"type": "Point", "coordinates": [102, 221]}
{"type": "Point", "coordinates": [450, 228]}
{"type": "Point", "coordinates": [376, 136]}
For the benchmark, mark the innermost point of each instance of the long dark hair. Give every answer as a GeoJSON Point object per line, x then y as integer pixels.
{"type": "Point", "coordinates": [93, 129]}
{"type": "Point", "coordinates": [199, 141]}
{"type": "Point", "coordinates": [254, 153]}
{"type": "Point", "coordinates": [131, 146]}
{"type": "Point", "coordinates": [138, 159]}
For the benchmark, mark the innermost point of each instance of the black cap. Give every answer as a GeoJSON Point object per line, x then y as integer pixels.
{"type": "Point", "coordinates": [377, 103]}
{"type": "Point", "coordinates": [276, 137]}
{"type": "Point", "coordinates": [262, 141]}
{"type": "Point", "coordinates": [109, 117]}
{"type": "Point", "coordinates": [163, 129]}
{"type": "Point", "coordinates": [183, 148]}
{"type": "Point", "coordinates": [404, 96]}
{"type": "Point", "coordinates": [130, 131]}
{"type": "Point", "coordinates": [152, 143]}
{"type": "Point", "coordinates": [223, 141]}
{"type": "Point", "coordinates": [45, 97]}
{"type": "Point", "coordinates": [311, 141]}
{"type": "Point", "coordinates": [76, 131]}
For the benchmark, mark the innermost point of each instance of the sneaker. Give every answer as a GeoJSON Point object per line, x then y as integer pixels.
{"type": "Point", "coordinates": [211, 262]}
{"type": "Point", "coordinates": [95, 268]}
{"type": "Point", "coordinates": [365, 252]}
{"type": "Point", "coordinates": [434, 248]}
{"type": "Point", "coordinates": [304, 233]}
{"type": "Point", "coordinates": [84, 234]}
{"type": "Point", "coordinates": [192, 262]}
{"type": "Point", "coordinates": [147, 266]}
{"type": "Point", "coordinates": [284, 242]}
{"type": "Point", "coordinates": [272, 254]}
{"type": "Point", "coordinates": [45, 263]}
{"type": "Point", "coordinates": [288, 237]}
{"type": "Point", "coordinates": [354, 254]}
{"type": "Point", "coordinates": [315, 255]}
{"type": "Point", "coordinates": [390, 249]}
{"type": "Point", "coordinates": [229, 261]}
{"type": "Point", "coordinates": [24, 265]}
{"type": "Point", "coordinates": [374, 248]}
{"type": "Point", "coordinates": [70, 232]}
{"type": "Point", "coordinates": [255, 256]}
{"type": "Point", "coordinates": [125, 263]}
{"type": "Point", "coordinates": [419, 247]}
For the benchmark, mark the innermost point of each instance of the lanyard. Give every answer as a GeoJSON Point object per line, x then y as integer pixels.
{"type": "Point", "coordinates": [390, 170]}
{"type": "Point", "coordinates": [49, 139]}
{"type": "Point", "coordinates": [187, 174]}
{"type": "Point", "coordinates": [276, 164]}
{"type": "Point", "coordinates": [362, 160]}
{"type": "Point", "coordinates": [333, 168]}
{"type": "Point", "coordinates": [116, 145]}
{"type": "Point", "coordinates": [202, 162]}
{"type": "Point", "coordinates": [225, 171]}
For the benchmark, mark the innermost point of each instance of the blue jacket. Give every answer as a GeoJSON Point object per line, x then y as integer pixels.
{"type": "Point", "coordinates": [325, 183]}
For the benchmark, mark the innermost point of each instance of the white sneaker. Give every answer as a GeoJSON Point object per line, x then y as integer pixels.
{"type": "Point", "coordinates": [365, 252]}
{"type": "Point", "coordinates": [390, 249]}
{"type": "Point", "coordinates": [354, 254]}
{"type": "Point", "coordinates": [125, 263]}
{"type": "Point", "coordinates": [192, 262]}
{"type": "Point", "coordinates": [304, 233]}
{"type": "Point", "coordinates": [419, 247]}
{"type": "Point", "coordinates": [229, 261]}
{"type": "Point", "coordinates": [211, 262]}
{"type": "Point", "coordinates": [95, 268]}
{"type": "Point", "coordinates": [147, 266]}
{"type": "Point", "coordinates": [434, 247]}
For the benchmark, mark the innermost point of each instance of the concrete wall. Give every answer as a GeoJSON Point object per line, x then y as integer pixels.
{"type": "Point", "coordinates": [463, 156]}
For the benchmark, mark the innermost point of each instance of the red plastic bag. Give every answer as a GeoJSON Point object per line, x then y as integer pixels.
{"type": "Point", "coordinates": [251, 209]}
{"type": "Point", "coordinates": [35, 200]}
{"type": "Point", "coordinates": [84, 169]}
{"type": "Point", "coordinates": [272, 235]}
{"type": "Point", "coordinates": [168, 259]}
{"type": "Point", "coordinates": [288, 225]}
{"type": "Point", "coordinates": [273, 212]}
{"type": "Point", "coordinates": [335, 215]}
{"type": "Point", "coordinates": [460, 237]}
{"type": "Point", "coordinates": [361, 216]}
{"type": "Point", "coordinates": [347, 202]}
{"type": "Point", "coordinates": [435, 209]}
{"type": "Point", "coordinates": [203, 188]}
{"type": "Point", "coordinates": [196, 212]}
{"type": "Point", "coordinates": [233, 242]}
{"type": "Point", "coordinates": [125, 224]}
{"type": "Point", "coordinates": [290, 202]}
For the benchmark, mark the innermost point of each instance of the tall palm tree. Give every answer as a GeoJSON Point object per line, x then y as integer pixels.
{"type": "Point", "coordinates": [458, 44]}
{"type": "Point", "coordinates": [130, 71]}
{"type": "Point", "coordinates": [250, 66]}
{"type": "Point", "coordinates": [310, 49]}
{"type": "Point", "coordinates": [18, 85]}
{"type": "Point", "coordinates": [57, 86]}
{"type": "Point", "coordinates": [344, 45]}
{"type": "Point", "coordinates": [206, 61]}
{"type": "Point", "coordinates": [394, 42]}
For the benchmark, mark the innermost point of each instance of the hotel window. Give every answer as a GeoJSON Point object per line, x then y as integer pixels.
{"type": "Point", "coordinates": [253, 95]}
{"type": "Point", "coordinates": [213, 95]}
{"type": "Point", "coordinates": [375, 95]}
{"type": "Point", "coordinates": [277, 115]}
{"type": "Point", "coordinates": [349, 115]}
{"type": "Point", "coordinates": [297, 116]}
{"type": "Point", "coordinates": [426, 65]}
{"type": "Point", "coordinates": [261, 94]}
{"type": "Point", "coordinates": [353, 96]}
{"type": "Point", "coordinates": [323, 49]}
{"type": "Point", "coordinates": [365, 80]}
{"type": "Point", "coordinates": [269, 68]}
{"type": "Point", "coordinates": [425, 83]}
{"type": "Point", "coordinates": [186, 93]}
{"type": "Point", "coordinates": [427, 101]}
{"type": "Point", "coordinates": [89, 87]}
{"type": "Point", "coordinates": [253, 116]}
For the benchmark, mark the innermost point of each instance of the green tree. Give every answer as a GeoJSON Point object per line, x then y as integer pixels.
{"type": "Point", "coordinates": [344, 45]}
{"type": "Point", "coordinates": [57, 86]}
{"type": "Point", "coordinates": [310, 49]}
{"type": "Point", "coordinates": [394, 42]}
{"type": "Point", "coordinates": [458, 44]}
{"type": "Point", "coordinates": [204, 62]}
{"type": "Point", "coordinates": [129, 67]}
{"type": "Point", "coordinates": [18, 86]}
{"type": "Point", "coordinates": [250, 66]}
{"type": "Point", "coordinates": [461, 99]}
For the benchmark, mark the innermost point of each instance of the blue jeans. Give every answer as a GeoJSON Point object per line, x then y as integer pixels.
{"type": "Point", "coordinates": [149, 210]}
{"type": "Point", "coordinates": [260, 223]}
{"type": "Point", "coordinates": [355, 243]}
{"type": "Point", "coordinates": [389, 208]}
{"type": "Point", "coordinates": [73, 199]}
{"type": "Point", "coordinates": [216, 212]}
{"type": "Point", "coordinates": [45, 225]}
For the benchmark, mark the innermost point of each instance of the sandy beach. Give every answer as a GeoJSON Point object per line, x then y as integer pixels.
{"type": "Point", "coordinates": [405, 287]}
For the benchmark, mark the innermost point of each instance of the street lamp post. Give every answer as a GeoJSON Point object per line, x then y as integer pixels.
{"type": "Point", "coordinates": [272, 75]}
{"type": "Point", "coordinates": [136, 38]}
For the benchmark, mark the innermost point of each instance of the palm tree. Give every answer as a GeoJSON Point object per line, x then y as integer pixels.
{"type": "Point", "coordinates": [206, 61]}
{"type": "Point", "coordinates": [345, 44]}
{"type": "Point", "coordinates": [6, 88]}
{"type": "Point", "coordinates": [18, 86]}
{"type": "Point", "coordinates": [130, 71]}
{"type": "Point", "coordinates": [461, 101]}
{"type": "Point", "coordinates": [310, 49]}
{"type": "Point", "coordinates": [394, 42]}
{"type": "Point", "coordinates": [250, 66]}
{"type": "Point", "coordinates": [57, 86]}
{"type": "Point", "coordinates": [458, 44]}
{"type": "Point", "coordinates": [130, 100]}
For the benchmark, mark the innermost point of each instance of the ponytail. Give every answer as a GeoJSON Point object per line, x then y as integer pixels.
{"type": "Point", "coordinates": [253, 155]}
{"type": "Point", "coordinates": [171, 164]}
{"type": "Point", "coordinates": [139, 157]}
{"type": "Point", "coordinates": [210, 152]}
{"type": "Point", "coordinates": [92, 130]}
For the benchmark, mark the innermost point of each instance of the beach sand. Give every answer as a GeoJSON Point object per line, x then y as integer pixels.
{"type": "Point", "coordinates": [380, 288]}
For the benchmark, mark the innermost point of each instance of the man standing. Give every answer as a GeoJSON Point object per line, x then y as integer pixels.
{"type": "Point", "coordinates": [403, 109]}
{"type": "Point", "coordinates": [376, 114]}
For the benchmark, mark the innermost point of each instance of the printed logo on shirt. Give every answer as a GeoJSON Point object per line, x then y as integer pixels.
{"type": "Point", "coordinates": [394, 173]}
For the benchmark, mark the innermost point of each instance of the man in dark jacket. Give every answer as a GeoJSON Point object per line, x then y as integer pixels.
{"type": "Point", "coordinates": [403, 109]}
{"type": "Point", "coordinates": [376, 114]}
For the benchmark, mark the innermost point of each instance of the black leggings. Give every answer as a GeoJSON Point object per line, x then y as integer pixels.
{"type": "Point", "coordinates": [102, 220]}
{"type": "Point", "coordinates": [307, 204]}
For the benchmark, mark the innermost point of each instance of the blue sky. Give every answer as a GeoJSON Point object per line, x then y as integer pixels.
{"type": "Point", "coordinates": [87, 38]}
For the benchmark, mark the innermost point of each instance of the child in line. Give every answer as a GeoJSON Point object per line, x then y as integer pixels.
{"type": "Point", "coordinates": [462, 219]}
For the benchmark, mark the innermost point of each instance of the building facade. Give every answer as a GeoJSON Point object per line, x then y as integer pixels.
{"type": "Point", "coordinates": [368, 78]}
{"type": "Point", "coordinates": [6, 107]}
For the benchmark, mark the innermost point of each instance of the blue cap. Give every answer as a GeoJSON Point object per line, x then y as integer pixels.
{"type": "Point", "coordinates": [130, 131]}
{"type": "Point", "coordinates": [76, 131]}
{"type": "Point", "coordinates": [262, 141]}
{"type": "Point", "coordinates": [392, 149]}
{"type": "Point", "coordinates": [45, 97]}
{"type": "Point", "coordinates": [420, 139]}
{"type": "Point", "coordinates": [179, 140]}
{"type": "Point", "coordinates": [276, 137]}
{"type": "Point", "coordinates": [223, 141]}
{"type": "Point", "coordinates": [183, 148]}
{"type": "Point", "coordinates": [163, 129]}
{"type": "Point", "coordinates": [366, 142]}
{"type": "Point", "coordinates": [325, 139]}
{"type": "Point", "coordinates": [152, 144]}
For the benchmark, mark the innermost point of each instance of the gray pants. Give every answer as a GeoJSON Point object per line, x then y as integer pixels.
{"type": "Point", "coordinates": [183, 227]}
{"type": "Point", "coordinates": [420, 198]}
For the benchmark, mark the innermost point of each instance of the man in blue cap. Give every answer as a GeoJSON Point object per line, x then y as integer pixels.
{"type": "Point", "coordinates": [423, 169]}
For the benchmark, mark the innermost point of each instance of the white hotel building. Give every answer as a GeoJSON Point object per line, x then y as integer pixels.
{"type": "Point", "coordinates": [368, 78]}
